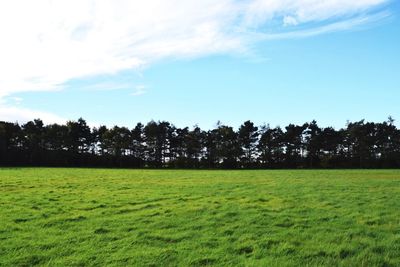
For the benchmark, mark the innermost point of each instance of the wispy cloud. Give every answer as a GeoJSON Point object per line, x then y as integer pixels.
{"type": "Point", "coordinates": [107, 86]}
{"type": "Point", "coordinates": [139, 90]}
{"type": "Point", "coordinates": [11, 100]}
{"type": "Point", "coordinates": [47, 43]}
{"type": "Point", "coordinates": [343, 25]}
{"type": "Point", "coordinates": [17, 114]}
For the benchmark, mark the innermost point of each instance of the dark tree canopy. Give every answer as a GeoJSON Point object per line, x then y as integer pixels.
{"type": "Point", "coordinates": [162, 145]}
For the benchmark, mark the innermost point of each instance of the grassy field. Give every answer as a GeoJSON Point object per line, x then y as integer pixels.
{"type": "Point", "coordinates": [97, 217]}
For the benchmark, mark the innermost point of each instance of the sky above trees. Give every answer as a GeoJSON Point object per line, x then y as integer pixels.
{"type": "Point", "coordinates": [197, 62]}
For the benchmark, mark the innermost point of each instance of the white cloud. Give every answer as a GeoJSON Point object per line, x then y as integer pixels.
{"type": "Point", "coordinates": [290, 21]}
{"type": "Point", "coordinates": [331, 27]}
{"type": "Point", "coordinates": [21, 115]}
{"type": "Point", "coordinates": [107, 86]}
{"type": "Point", "coordinates": [45, 43]}
{"type": "Point", "coordinates": [17, 100]}
{"type": "Point", "coordinates": [139, 90]}
{"type": "Point", "coordinates": [305, 11]}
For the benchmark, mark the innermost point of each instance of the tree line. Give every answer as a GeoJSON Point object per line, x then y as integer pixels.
{"type": "Point", "coordinates": [162, 145]}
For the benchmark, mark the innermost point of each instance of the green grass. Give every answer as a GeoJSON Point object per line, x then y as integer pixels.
{"type": "Point", "coordinates": [97, 217]}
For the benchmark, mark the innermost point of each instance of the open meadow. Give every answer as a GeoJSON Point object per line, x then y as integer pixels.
{"type": "Point", "coordinates": [97, 217]}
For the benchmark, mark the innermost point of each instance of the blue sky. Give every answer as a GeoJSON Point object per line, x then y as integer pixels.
{"type": "Point", "coordinates": [327, 67]}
